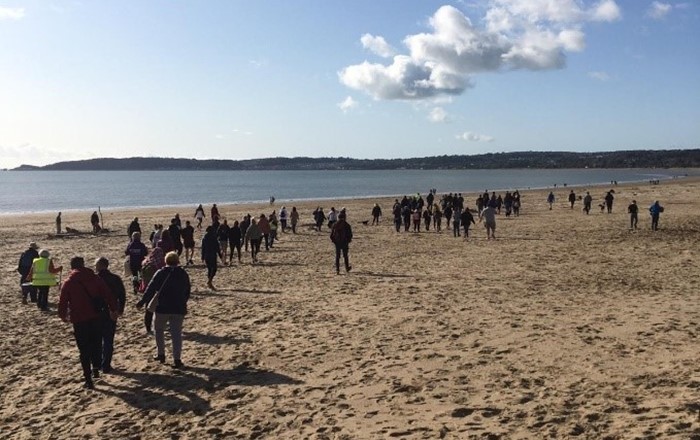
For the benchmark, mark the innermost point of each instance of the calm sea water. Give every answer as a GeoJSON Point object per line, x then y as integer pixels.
{"type": "Point", "coordinates": [48, 191]}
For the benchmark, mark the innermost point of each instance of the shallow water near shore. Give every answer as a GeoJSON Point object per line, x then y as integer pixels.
{"type": "Point", "coordinates": [47, 191]}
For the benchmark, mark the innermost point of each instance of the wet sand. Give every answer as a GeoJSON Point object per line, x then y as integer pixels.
{"type": "Point", "coordinates": [566, 326]}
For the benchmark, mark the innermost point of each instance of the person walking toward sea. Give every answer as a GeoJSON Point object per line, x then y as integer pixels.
{"type": "Point", "coordinates": [437, 218]}
{"type": "Point", "coordinates": [456, 218]}
{"type": "Point", "coordinates": [283, 219]}
{"type": "Point", "coordinates": [43, 276]}
{"type": "Point", "coordinates": [176, 236]}
{"type": "Point", "coordinates": [187, 234]}
{"type": "Point", "coordinates": [467, 219]}
{"type": "Point", "coordinates": [294, 218]}
{"type": "Point", "coordinates": [341, 236]}
{"type": "Point", "coordinates": [58, 224]}
{"type": "Point", "coordinates": [272, 219]}
{"type": "Point", "coordinates": [253, 235]}
{"type": "Point", "coordinates": [210, 252]}
{"type": "Point", "coordinates": [488, 216]}
{"type": "Point", "coordinates": [416, 216]}
{"type": "Point", "coordinates": [550, 200]}
{"type": "Point", "coordinates": [396, 211]}
{"type": "Point", "coordinates": [572, 198]}
{"type": "Point", "coordinates": [77, 304]}
{"type": "Point", "coordinates": [133, 227]}
{"type": "Point", "coordinates": [234, 239]}
{"type": "Point", "coordinates": [427, 217]}
{"type": "Point", "coordinates": [448, 214]}
{"type": "Point", "coordinates": [655, 210]}
{"type": "Point", "coordinates": [109, 326]}
{"type": "Point", "coordinates": [24, 267]}
{"type": "Point", "coordinates": [264, 226]}
{"type": "Point", "coordinates": [376, 213]}
{"type": "Point", "coordinates": [633, 211]}
{"type": "Point", "coordinates": [199, 215]}
{"type": "Point", "coordinates": [137, 252]}
{"type": "Point", "coordinates": [215, 214]}
{"type": "Point", "coordinates": [319, 218]}
{"type": "Point", "coordinates": [222, 235]}
{"type": "Point", "coordinates": [609, 201]}
{"type": "Point", "coordinates": [587, 201]}
{"type": "Point", "coordinates": [173, 287]}
{"type": "Point", "coordinates": [95, 222]}
{"type": "Point", "coordinates": [245, 223]}
{"type": "Point", "coordinates": [152, 264]}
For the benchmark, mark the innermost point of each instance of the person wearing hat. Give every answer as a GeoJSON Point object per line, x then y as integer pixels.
{"type": "Point", "coordinates": [341, 236]}
{"type": "Point", "coordinates": [43, 276]}
{"type": "Point", "coordinates": [24, 267]}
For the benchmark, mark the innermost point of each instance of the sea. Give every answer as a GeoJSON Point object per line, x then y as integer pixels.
{"type": "Point", "coordinates": [52, 191]}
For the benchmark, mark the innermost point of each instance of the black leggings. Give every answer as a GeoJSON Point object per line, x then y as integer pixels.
{"type": "Point", "coordinates": [88, 337]}
{"type": "Point", "coordinates": [211, 267]}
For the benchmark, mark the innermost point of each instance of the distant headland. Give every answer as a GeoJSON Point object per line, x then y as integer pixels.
{"type": "Point", "coordinates": [528, 159]}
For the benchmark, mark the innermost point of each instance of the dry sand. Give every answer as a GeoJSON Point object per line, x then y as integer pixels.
{"type": "Point", "coordinates": [566, 326]}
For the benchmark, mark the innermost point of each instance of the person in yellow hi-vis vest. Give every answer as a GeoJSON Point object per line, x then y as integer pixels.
{"type": "Point", "coordinates": [43, 276]}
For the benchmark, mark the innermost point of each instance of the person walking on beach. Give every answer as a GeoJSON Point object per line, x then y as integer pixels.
{"type": "Point", "coordinates": [416, 216]}
{"type": "Point", "coordinates": [136, 251]}
{"type": "Point", "coordinates": [81, 293]}
{"type": "Point", "coordinates": [467, 219]}
{"type": "Point", "coordinates": [109, 326]}
{"type": "Point", "coordinates": [456, 218]}
{"type": "Point", "coordinates": [133, 227]}
{"type": "Point", "coordinates": [264, 226]}
{"type": "Point", "coordinates": [550, 200]}
{"type": "Point", "coordinates": [187, 234]}
{"type": "Point", "coordinates": [253, 235]}
{"type": "Point", "coordinates": [376, 213]}
{"type": "Point", "coordinates": [234, 239]}
{"type": "Point", "coordinates": [609, 201]}
{"type": "Point", "coordinates": [215, 214]}
{"type": "Point", "coordinates": [294, 218]}
{"type": "Point", "coordinates": [341, 236]}
{"type": "Point", "coordinates": [397, 217]}
{"type": "Point", "coordinates": [283, 219]}
{"type": "Point", "coordinates": [655, 210]}
{"type": "Point", "coordinates": [43, 276]}
{"type": "Point", "coordinates": [245, 223]}
{"type": "Point", "coordinates": [572, 198]}
{"type": "Point", "coordinates": [58, 224]}
{"type": "Point", "coordinates": [152, 264]}
{"type": "Point", "coordinates": [222, 235]}
{"type": "Point", "coordinates": [173, 287]}
{"type": "Point", "coordinates": [199, 215]}
{"type": "Point", "coordinates": [175, 235]}
{"type": "Point", "coordinates": [319, 218]}
{"type": "Point", "coordinates": [633, 211]}
{"type": "Point", "coordinates": [437, 218]}
{"type": "Point", "coordinates": [95, 222]}
{"type": "Point", "coordinates": [427, 218]}
{"type": "Point", "coordinates": [24, 267]}
{"type": "Point", "coordinates": [332, 217]}
{"type": "Point", "coordinates": [488, 216]}
{"type": "Point", "coordinates": [587, 201]}
{"type": "Point", "coordinates": [210, 252]}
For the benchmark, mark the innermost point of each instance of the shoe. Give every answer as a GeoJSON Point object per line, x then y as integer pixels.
{"type": "Point", "coordinates": [96, 373]}
{"type": "Point", "coordinates": [337, 272]}
{"type": "Point", "coordinates": [160, 358]}
{"type": "Point", "coordinates": [106, 370]}
{"type": "Point", "coordinates": [348, 269]}
{"type": "Point", "coordinates": [178, 364]}
{"type": "Point", "coordinates": [88, 385]}
{"type": "Point", "coordinates": [24, 300]}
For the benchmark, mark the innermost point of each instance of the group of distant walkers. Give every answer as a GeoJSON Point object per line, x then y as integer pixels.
{"type": "Point", "coordinates": [93, 300]}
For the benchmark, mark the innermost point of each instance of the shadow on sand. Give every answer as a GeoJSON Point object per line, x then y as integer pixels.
{"type": "Point", "coordinates": [186, 390]}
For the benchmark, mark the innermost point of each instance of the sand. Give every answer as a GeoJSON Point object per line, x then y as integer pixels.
{"type": "Point", "coordinates": [566, 326]}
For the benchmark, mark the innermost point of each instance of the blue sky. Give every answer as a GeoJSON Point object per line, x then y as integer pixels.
{"type": "Point", "coordinates": [367, 79]}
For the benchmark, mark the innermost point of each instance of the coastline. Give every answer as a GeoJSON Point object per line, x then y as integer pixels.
{"type": "Point", "coordinates": [566, 325]}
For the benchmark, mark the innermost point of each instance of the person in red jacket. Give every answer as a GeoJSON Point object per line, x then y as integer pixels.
{"type": "Point", "coordinates": [80, 293]}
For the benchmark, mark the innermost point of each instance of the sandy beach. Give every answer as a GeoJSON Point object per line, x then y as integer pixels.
{"type": "Point", "coordinates": [566, 326]}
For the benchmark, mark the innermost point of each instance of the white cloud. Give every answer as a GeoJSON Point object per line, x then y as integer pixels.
{"type": "Point", "coordinates": [11, 13]}
{"type": "Point", "coordinates": [600, 76]}
{"type": "Point", "coordinates": [347, 104]}
{"type": "Point", "coordinates": [658, 10]}
{"type": "Point", "coordinates": [517, 34]}
{"type": "Point", "coordinates": [377, 45]}
{"type": "Point", "coordinates": [438, 114]}
{"type": "Point", "coordinates": [606, 10]}
{"type": "Point", "coordinates": [12, 156]}
{"type": "Point", "coordinates": [474, 137]}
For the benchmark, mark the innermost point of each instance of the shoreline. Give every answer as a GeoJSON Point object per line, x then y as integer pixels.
{"type": "Point", "coordinates": [321, 200]}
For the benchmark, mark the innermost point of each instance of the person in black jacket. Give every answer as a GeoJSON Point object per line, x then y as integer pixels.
{"type": "Point", "coordinates": [341, 236]}
{"type": "Point", "coordinates": [235, 238]}
{"type": "Point", "coordinates": [134, 226]}
{"type": "Point", "coordinates": [467, 219]}
{"type": "Point", "coordinates": [116, 288]}
{"type": "Point", "coordinates": [175, 235]}
{"type": "Point", "coordinates": [211, 250]}
{"type": "Point", "coordinates": [173, 286]}
{"type": "Point", "coordinates": [24, 267]}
